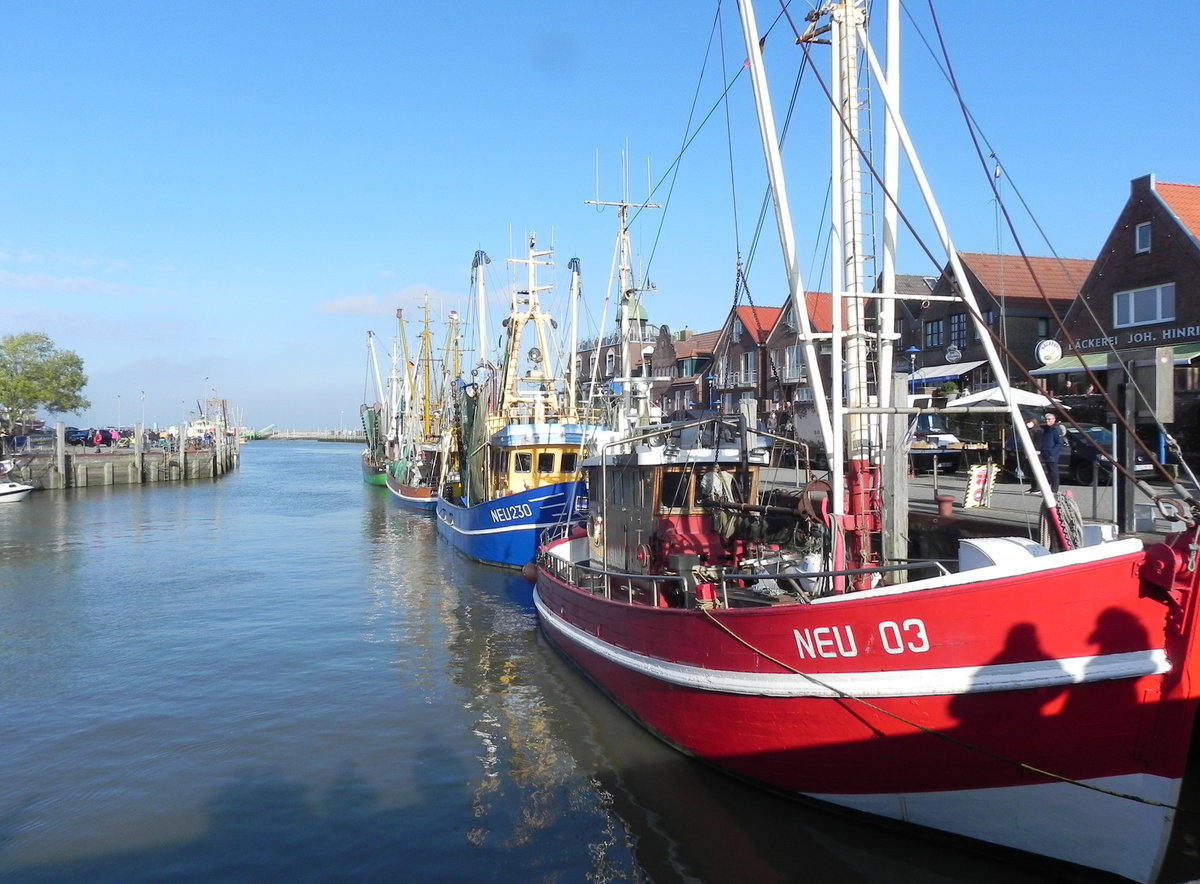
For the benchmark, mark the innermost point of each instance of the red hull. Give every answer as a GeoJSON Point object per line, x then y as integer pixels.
{"type": "Point", "coordinates": [996, 684]}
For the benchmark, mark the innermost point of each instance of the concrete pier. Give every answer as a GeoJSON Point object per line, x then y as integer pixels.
{"type": "Point", "coordinates": [80, 466]}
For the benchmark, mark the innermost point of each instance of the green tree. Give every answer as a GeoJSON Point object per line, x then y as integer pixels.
{"type": "Point", "coordinates": [35, 374]}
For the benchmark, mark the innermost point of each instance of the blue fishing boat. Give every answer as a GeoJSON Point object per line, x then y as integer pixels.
{"type": "Point", "coordinates": [518, 435]}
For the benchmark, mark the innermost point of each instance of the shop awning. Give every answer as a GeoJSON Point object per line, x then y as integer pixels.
{"type": "Point", "coordinates": [1184, 354]}
{"type": "Point", "coordinates": [947, 372]}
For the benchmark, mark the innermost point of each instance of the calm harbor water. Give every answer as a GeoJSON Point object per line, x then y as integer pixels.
{"type": "Point", "coordinates": [281, 676]}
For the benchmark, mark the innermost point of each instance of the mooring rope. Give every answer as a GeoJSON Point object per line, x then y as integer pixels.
{"type": "Point", "coordinates": [970, 747]}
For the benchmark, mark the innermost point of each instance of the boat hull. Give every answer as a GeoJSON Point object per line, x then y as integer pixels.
{"type": "Point", "coordinates": [941, 707]}
{"type": "Point", "coordinates": [14, 492]}
{"type": "Point", "coordinates": [507, 531]}
{"type": "Point", "coordinates": [414, 497]}
{"type": "Point", "coordinates": [373, 473]}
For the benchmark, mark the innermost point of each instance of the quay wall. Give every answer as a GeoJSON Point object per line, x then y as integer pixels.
{"type": "Point", "coordinates": [318, 436]}
{"type": "Point", "coordinates": [70, 466]}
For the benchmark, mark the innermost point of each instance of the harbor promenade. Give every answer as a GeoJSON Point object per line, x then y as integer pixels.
{"type": "Point", "coordinates": [1007, 504]}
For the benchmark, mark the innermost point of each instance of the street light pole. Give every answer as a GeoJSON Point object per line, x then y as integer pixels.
{"type": "Point", "coordinates": [118, 412]}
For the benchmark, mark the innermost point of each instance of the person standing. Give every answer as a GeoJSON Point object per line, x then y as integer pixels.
{"type": "Point", "coordinates": [1014, 453]}
{"type": "Point", "coordinates": [1051, 447]}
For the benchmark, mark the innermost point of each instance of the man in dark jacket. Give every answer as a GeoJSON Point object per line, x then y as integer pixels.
{"type": "Point", "coordinates": [1051, 447]}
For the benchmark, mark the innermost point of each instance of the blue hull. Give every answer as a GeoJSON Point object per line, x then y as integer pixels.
{"type": "Point", "coordinates": [507, 531]}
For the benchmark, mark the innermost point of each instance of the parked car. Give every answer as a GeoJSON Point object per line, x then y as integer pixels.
{"type": "Point", "coordinates": [1089, 454]}
{"type": "Point", "coordinates": [75, 436]}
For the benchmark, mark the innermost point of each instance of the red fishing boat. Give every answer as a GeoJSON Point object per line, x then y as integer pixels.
{"type": "Point", "coordinates": [1040, 696]}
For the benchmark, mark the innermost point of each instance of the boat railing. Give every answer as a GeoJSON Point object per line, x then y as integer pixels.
{"type": "Point", "coordinates": [659, 590]}
{"type": "Point", "coordinates": [628, 586]}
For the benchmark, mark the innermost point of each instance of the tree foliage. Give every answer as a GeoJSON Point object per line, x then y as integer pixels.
{"type": "Point", "coordinates": [36, 374]}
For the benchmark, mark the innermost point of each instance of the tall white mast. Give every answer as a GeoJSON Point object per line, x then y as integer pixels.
{"type": "Point", "coordinates": [573, 350]}
{"type": "Point", "coordinates": [787, 239]}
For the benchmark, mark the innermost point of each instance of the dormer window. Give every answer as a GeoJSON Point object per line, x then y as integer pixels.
{"type": "Point", "coordinates": [1141, 238]}
{"type": "Point", "coordinates": [736, 331]}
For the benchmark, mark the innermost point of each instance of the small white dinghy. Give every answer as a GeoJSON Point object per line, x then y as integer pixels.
{"type": "Point", "coordinates": [10, 491]}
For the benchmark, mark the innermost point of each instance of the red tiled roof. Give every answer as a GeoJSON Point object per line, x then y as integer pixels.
{"type": "Point", "coordinates": [758, 321]}
{"type": "Point", "coordinates": [700, 342]}
{"type": "Point", "coordinates": [820, 310]}
{"type": "Point", "coordinates": [1017, 277]}
{"type": "Point", "coordinates": [1184, 201]}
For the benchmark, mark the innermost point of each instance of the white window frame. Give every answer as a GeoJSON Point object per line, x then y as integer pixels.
{"type": "Point", "coordinates": [1141, 238]}
{"type": "Point", "coordinates": [1156, 303]}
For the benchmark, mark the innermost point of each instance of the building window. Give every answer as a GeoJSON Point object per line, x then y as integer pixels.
{"type": "Point", "coordinates": [958, 329]}
{"type": "Point", "coordinates": [989, 316]}
{"type": "Point", "coordinates": [1144, 306]}
{"type": "Point", "coordinates": [1141, 237]}
{"type": "Point", "coordinates": [610, 361]}
{"type": "Point", "coordinates": [933, 333]}
{"type": "Point", "coordinates": [1043, 330]}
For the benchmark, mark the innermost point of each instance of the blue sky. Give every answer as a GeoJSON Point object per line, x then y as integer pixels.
{"type": "Point", "coordinates": [226, 196]}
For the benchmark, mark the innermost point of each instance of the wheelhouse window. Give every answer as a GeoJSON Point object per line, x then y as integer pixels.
{"type": "Point", "coordinates": [1144, 306]}
{"type": "Point", "coordinates": [933, 333]}
{"type": "Point", "coordinates": [522, 462]}
{"type": "Point", "coordinates": [546, 462]}
{"type": "Point", "coordinates": [1141, 238]}
{"type": "Point", "coordinates": [570, 462]}
{"type": "Point", "coordinates": [675, 488]}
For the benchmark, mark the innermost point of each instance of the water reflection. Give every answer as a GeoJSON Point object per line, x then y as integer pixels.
{"type": "Point", "coordinates": [260, 679]}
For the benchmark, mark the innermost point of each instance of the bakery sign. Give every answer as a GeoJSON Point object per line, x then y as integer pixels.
{"type": "Point", "coordinates": [1141, 337]}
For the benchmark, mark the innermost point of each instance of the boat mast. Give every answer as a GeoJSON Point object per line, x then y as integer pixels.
{"type": "Point", "coordinates": [787, 239]}
{"type": "Point", "coordinates": [629, 306]}
{"type": "Point", "coordinates": [849, 300]}
{"type": "Point", "coordinates": [573, 351]}
{"type": "Point", "coordinates": [477, 264]}
{"type": "Point", "coordinates": [424, 368]}
{"type": "Point", "coordinates": [522, 313]}
{"type": "Point", "coordinates": [399, 394]}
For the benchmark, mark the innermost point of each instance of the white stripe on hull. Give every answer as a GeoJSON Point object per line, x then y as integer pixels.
{"type": "Point", "coordinates": [865, 685]}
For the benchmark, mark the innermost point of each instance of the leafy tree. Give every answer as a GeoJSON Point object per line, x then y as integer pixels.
{"type": "Point", "coordinates": [35, 374]}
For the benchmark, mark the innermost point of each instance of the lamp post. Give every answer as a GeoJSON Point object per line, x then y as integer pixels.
{"type": "Point", "coordinates": [143, 398]}
{"type": "Point", "coordinates": [912, 368]}
{"type": "Point", "coordinates": [118, 412]}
